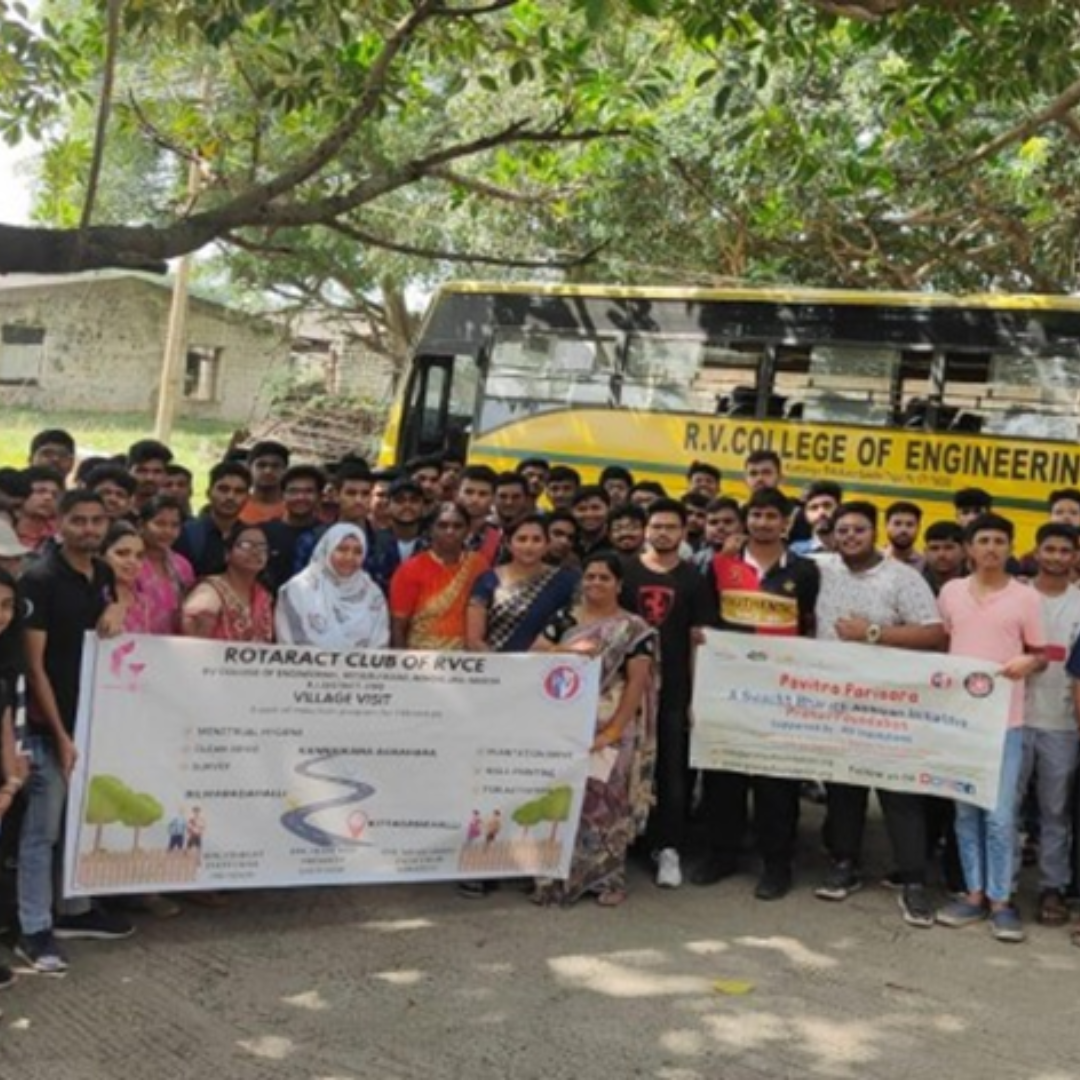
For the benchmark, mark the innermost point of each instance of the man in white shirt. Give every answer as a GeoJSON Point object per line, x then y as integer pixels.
{"type": "Point", "coordinates": [1051, 741]}
{"type": "Point", "coordinates": [866, 597]}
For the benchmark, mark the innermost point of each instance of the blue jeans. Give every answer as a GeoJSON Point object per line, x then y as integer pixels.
{"type": "Point", "coordinates": [41, 843]}
{"type": "Point", "coordinates": [1051, 756]}
{"type": "Point", "coordinates": [987, 838]}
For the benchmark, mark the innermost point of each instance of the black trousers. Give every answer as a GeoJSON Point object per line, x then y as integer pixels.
{"type": "Point", "coordinates": [905, 822]}
{"type": "Point", "coordinates": [673, 779]}
{"type": "Point", "coordinates": [776, 815]}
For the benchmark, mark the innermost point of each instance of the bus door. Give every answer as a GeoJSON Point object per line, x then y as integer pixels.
{"type": "Point", "coordinates": [440, 403]}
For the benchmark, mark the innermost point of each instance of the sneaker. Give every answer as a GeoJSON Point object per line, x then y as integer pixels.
{"type": "Point", "coordinates": [93, 925]}
{"type": "Point", "coordinates": [774, 883]}
{"type": "Point", "coordinates": [7, 977]}
{"type": "Point", "coordinates": [960, 913]}
{"type": "Point", "coordinates": [840, 882]}
{"type": "Point", "coordinates": [40, 953]}
{"type": "Point", "coordinates": [893, 881]}
{"type": "Point", "coordinates": [712, 870]}
{"type": "Point", "coordinates": [916, 907]}
{"type": "Point", "coordinates": [668, 871]}
{"type": "Point", "coordinates": [1005, 925]}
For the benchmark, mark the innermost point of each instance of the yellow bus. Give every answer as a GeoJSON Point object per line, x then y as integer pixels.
{"type": "Point", "coordinates": [893, 395]}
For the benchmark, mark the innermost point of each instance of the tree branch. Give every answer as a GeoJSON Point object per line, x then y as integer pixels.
{"type": "Point", "coordinates": [363, 237]}
{"type": "Point", "coordinates": [1060, 107]}
{"type": "Point", "coordinates": [255, 246]}
{"type": "Point", "coordinates": [108, 77]}
{"type": "Point", "coordinates": [326, 150]}
{"type": "Point", "coordinates": [493, 191]}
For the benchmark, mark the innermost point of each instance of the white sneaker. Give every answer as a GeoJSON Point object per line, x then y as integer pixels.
{"type": "Point", "coordinates": [668, 872]}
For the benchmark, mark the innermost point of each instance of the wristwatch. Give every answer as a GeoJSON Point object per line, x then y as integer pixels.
{"type": "Point", "coordinates": [873, 634]}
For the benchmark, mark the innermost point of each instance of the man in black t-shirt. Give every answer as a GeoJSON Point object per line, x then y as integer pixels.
{"type": "Point", "coordinates": [67, 592]}
{"type": "Point", "coordinates": [668, 593]}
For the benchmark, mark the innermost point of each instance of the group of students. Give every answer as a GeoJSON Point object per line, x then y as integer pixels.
{"type": "Point", "coordinates": [446, 555]}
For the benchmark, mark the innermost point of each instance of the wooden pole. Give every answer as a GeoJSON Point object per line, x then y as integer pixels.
{"type": "Point", "coordinates": [172, 364]}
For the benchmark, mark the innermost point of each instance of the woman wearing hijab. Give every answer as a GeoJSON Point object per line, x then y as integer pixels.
{"type": "Point", "coordinates": [333, 603]}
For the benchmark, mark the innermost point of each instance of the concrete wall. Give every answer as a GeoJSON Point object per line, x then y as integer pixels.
{"type": "Point", "coordinates": [104, 341]}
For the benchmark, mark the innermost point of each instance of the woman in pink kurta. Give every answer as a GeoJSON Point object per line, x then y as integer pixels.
{"type": "Point", "coordinates": [165, 577]}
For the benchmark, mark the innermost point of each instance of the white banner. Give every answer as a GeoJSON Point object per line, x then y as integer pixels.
{"type": "Point", "coordinates": [206, 765]}
{"type": "Point", "coordinates": [850, 713]}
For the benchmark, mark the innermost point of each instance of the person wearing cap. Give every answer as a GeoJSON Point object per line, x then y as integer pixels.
{"type": "Point", "coordinates": [55, 448]}
{"type": "Point", "coordinates": [12, 550]}
{"type": "Point", "coordinates": [267, 461]}
{"type": "Point", "coordinates": [406, 516]}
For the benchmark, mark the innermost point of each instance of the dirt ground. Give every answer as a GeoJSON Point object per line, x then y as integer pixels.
{"type": "Point", "coordinates": [400, 983]}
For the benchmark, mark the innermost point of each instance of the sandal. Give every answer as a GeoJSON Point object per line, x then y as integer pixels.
{"type": "Point", "coordinates": [1053, 910]}
{"type": "Point", "coordinates": [611, 897]}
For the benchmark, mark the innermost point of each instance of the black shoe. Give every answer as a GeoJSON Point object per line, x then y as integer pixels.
{"type": "Point", "coordinates": [713, 869]}
{"type": "Point", "coordinates": [893, 881]}
{"type": "Point", "coordinates": [916, 907]}
{"type": "Point", "coordinates": [774, 883]}
{"type": "Point", "coordinates": [840, 882]}
{"type": "Point", "coordinates": [476, 890]}
{"type": "Point", "coordinates": [94, 925]}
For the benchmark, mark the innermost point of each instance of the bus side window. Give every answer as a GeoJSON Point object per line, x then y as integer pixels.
{"type": "Point", "coordinates": [915, 389]}
{"type": "Point", "coordinates": [851, 384]}
{"type": "Point", "coordinates": [963, 395]}
{"type": "Point", "coordinates": [1033, 396]}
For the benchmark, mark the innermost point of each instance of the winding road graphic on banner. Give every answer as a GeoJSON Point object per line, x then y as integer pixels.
{"type": "Point", "coordinates": [298, 821]}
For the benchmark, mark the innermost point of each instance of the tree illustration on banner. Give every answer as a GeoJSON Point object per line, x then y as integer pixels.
{"type": "Point", "coordinates": [141, 811]}
{"type": "Point", "coordinates": [112, 802]}
{"type": "Point", "coordinates": [104, 805]}
{"type": "Point", "coordinates": [556, 807]}
{"type": "Point", "coordinates": [528, 816]}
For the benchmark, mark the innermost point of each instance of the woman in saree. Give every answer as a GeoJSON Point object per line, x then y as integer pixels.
{"type": "Point", "coordinates": [430, 591]}
{"type": "Point", "coordinates": [333, 603]}
{"type": "Point", "coordinates": [165, 576]}
{"type": "Point", "coordinates": [235, 605]}
{"type": "Point", "coordinates": [511, 605]}
{"type": "Point", "coordinates": [618, 793]}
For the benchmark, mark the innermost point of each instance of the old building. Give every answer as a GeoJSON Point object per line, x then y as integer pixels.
{"type": "Point", "coordinates": [94, 342]}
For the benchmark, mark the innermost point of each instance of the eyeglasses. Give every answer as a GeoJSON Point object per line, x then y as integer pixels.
{"type": "Point", "coordinates": [252, 545]}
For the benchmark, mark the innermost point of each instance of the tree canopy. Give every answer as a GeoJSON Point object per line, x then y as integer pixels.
{"type": "Point", "coordinates": [887, 143]}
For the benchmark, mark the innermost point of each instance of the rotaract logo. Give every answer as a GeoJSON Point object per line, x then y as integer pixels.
{"type": "Point", "coordinates": [979, 684]}
{"type": "Point", "coordinates": [562, 683]}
